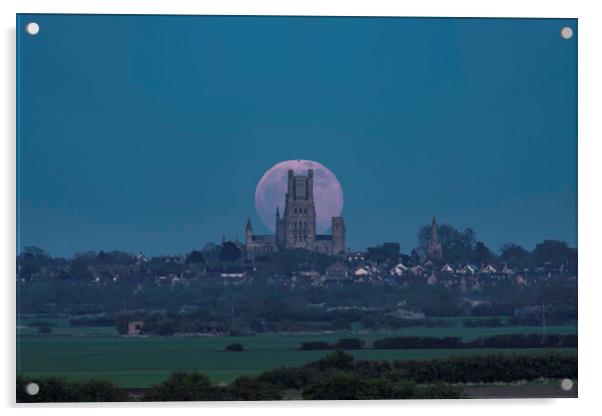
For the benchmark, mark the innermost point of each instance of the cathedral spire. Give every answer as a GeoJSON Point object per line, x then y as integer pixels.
{"type": "Point", "coordinates": [249, 226]}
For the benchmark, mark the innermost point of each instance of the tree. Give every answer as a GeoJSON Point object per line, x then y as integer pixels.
{"type": "Point", "coordinates": [229, 252]}
{"type": "Point", "coordinates": [103, 258]}
{"type": "Point", "coordinates": [414, 257]}
{"type": "Point", "coordinates": [115, 257]}
{"type": "Point", "coordinates": [338, 360]}
{"type": "Point", "coordinates": [555, 252]}
{"type": "Point", "coordinates": [45, 329]}
{"type": "Point", "coordinates": [59, 390]}
{"type": "Point", "coordinates": [247, 388]}
{"type": "Point", "coordinates": [405, 389]}
{"type": "Point", "coordinates": [184, 386]}
{"type": "Point", "coordinates": [350, 344]}
{"type": "Point", "coordinates": [515, 256]}
{"type": "Point", "coordinates": [237, 346]}
{"type": "Point", "coordinates": [30, 261]}
{"type": "Point", "coordinates": [337, 386]}
{"type": "Point", "coordinates": [385, 252]}
{"type": "Point", "coordinates": [79, 269]}
{"type": "Point", "coordinates": [481, 254]}
{"type": "Point", "coordinates": [195, 257]}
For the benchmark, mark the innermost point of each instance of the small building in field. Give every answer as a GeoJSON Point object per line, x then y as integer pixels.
{"type": "Point", "coordinates": [135, 327]}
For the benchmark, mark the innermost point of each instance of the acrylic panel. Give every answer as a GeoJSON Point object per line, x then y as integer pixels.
{"type": "Point", "coordinates": [295, 208]}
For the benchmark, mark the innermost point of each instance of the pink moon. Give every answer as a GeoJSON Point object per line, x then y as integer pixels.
{"type": "Point", "coordinates": [271, 191]}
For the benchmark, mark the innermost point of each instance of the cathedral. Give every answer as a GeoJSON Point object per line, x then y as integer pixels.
{"type": "Point", "coordinates": [297, 226]}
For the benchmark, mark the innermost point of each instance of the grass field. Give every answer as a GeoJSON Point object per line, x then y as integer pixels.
{"type": "Point", "coordinates": [84, 353]}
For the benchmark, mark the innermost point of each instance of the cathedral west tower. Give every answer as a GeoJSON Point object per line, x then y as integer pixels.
{"type": "Point", "coordinates": [296, 228]}
{"type": "Point", "coordinates": [299, 212]}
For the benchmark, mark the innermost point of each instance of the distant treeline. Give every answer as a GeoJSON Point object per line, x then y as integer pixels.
{"type": "Point", "coordinates": [338, 376]}
{"type": "Point", "coordinates": [496, 341]}
{"type": "Point", "coordinates": [344, 343]}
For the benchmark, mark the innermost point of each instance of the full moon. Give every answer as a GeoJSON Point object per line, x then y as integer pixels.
{"type": "Point", "coordinates": [271, 191]}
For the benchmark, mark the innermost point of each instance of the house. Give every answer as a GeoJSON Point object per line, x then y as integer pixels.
{"type": "Point", "coordinates": [428, 264]}
{"type": "Point", "coordinates": [520, 280]}
{"type": "Point", "coordinates": [469, 269]}
{"type": "Point", "coordinates": [447, 269]}
{"type": "Point", "coordinates": [172, 259]}
{"type": "Point", "coordinates": [361, 271]}
{"type": "Point", "coordinates": [135, 327]}
{"type": "Point", "coordinates": [431, 280]}
{"type": "Point", "coordinates": [337, 270]}
{"type": "Point", "coordinates": [175, 280]}
{"type": "Point", "coordinates": [356, 257]}
{"type": "Point", "coordinates": [141, 258]}
{"type": "Point", "coordinates": [398, 270]}
{"type": "Point", "coordinates": [309, 274]}
{"type": "Point", "coordinates": [234, 272]}
{"type": "Point", "coordinates": [489, 269]}
{"type": "Point", "coordinates": [417, 269]}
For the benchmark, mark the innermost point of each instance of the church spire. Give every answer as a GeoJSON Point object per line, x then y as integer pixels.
{"type": "Point", "coordinates": [434, 249]}
{"type": "Point", "coordinates": [277, 212]}
{"type": "Point", "coordinates": [249, 226]}
{"type": "Point", "coordinates": [434, 233]}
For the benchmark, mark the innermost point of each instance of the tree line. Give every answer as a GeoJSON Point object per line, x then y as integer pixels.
{"type": "Point", "coordinates": [414, 342]}
{"type": "Point", "coordinates": [463, 247]}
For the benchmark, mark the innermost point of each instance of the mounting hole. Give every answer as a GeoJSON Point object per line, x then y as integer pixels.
{"type": "Point", "coordinates": [566, 32]}
{"type": "Point", "coordinates": [566, 384]}
{"type": "Point", "coordinates": [32, 389]}
{"type": "Point", "coordinates": [32, 28]}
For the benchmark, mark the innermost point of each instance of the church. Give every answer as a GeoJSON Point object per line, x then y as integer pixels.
{"type": "Point", "coordinates": [297, 226]}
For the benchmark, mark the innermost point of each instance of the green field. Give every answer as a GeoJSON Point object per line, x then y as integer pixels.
{"type": "Point", "coordinates": [84, 353]}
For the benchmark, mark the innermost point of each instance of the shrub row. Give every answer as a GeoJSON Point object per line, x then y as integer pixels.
{"type": "Point", "coordinates": [487, 369]}
{"type": "Point", "coordinates": [59, 390]}
{"type": "Point", "coordinates": [477, 369]}
{"type": "Point", "coordinates": [343, 385]}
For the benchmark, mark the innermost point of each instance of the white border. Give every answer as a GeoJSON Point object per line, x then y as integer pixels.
{"type": "Point", "coordinates": [590, 173]}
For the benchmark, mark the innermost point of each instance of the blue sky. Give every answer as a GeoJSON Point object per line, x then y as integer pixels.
{"type": "Point", "coordinates": [150, 133]}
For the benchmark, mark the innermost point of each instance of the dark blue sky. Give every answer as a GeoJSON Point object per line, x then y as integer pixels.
{"type": "Point", "coordinates": [150, 132]}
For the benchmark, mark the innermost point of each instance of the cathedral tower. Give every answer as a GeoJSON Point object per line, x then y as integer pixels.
{"type": "Point", "coordinates": [249, 232]}
{"type": "Point", "coordinates": [296, 227]}
{"type": "Point", "coordinates": [280, 230]}
{"type": "Point", "coordinates": [300, 211]}
{"type": "Point", "coordinates": [338, 235]}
